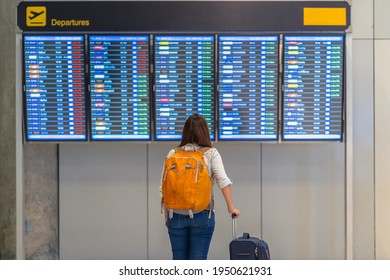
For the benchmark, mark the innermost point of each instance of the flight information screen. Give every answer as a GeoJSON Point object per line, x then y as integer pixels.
{"type": "Point", "coordinates": [119, 85]}
{"type": "Point", "coordinates": [248, 87]}
{"type": "Point", "coordinates": [185, 82]}
{"type": "Point", "coordinates": [313, 87]}
{"type": "Point", "coordinates": [54, 87]}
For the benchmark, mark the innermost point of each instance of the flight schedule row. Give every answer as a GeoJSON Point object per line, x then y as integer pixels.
{"type": "Point", "coordinates": [126, 87]}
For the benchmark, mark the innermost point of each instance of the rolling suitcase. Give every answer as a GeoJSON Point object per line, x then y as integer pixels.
{"type": "Point", "coordinates": [247, 247]}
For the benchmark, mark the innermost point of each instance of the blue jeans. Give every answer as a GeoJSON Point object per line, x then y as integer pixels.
{"type": "Point", "coordinates": [191, 237]}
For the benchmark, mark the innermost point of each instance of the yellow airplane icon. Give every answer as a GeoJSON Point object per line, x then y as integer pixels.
{"type": "Point", "coordinates": [36, 16]}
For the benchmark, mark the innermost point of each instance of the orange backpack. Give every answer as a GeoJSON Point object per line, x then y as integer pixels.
{"type": "Point", "coordinates": [186, 183]}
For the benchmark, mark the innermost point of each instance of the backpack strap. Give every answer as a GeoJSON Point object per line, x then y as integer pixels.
{"type": "Point", "coordinates": [201, 149]}
{"type": "Point", "coordinates": [211, 204]}
{"type": "Point", "coordinates": [204, 149]}
{"type": "Point", "coordinates": [170, 213]}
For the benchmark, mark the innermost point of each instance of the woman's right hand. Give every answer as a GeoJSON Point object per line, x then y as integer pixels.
{"type": "Point", "coordinates": [234, 211]}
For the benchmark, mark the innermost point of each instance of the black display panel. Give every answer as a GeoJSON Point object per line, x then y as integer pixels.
{"type": "Point", "coordinates": [54, 100]}
{"type": "Point", "coordinates": [185, 83]}
{"type": "Point", "coordinates": [248, 87]}
{"type": "Point", "coordinates": [119, 85]}
{"type": "Point", "coordinates": [313, 87]}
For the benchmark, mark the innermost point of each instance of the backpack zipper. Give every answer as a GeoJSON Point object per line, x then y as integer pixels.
{"type": "Point", "coordinates": [169, 169]}
{"type": "Point", "coordinates": [197, 168]}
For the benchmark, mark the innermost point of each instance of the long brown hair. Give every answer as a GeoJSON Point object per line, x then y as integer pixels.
{"type": "Point", "coordinates": [196, 131]}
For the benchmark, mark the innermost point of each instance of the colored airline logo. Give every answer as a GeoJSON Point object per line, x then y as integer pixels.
{"type": "Point", "coordinates": [36, 16]}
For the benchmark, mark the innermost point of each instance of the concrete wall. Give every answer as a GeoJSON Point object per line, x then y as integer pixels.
{"type": "Point", "coordinates": [7, 131]}
{"type": "Point", "coordinates": [41, 201]}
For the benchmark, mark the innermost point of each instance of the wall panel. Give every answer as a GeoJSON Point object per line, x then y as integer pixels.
{"type": "Point", "coordinates": [381, 19]}
{"type": "Point", "coordinates": [382, 149]}
{"type": "Point", "coordinates": [158, 239]}
{"type": "Point", "coordinates": [363, 19]}
{"type": "Point", "coordinates": [303, 200]}
{"type": "Point", "coordinates": [103, 201]}
{"type": "Point", "coordinates": [363, 150]}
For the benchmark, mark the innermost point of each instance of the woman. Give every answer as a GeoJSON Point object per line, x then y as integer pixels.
{"type": "Point", "coordinates": [190, 233]}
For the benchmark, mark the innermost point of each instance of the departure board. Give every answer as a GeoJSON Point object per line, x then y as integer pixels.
{"type": "Point", "coordinates": [54, 87]}
{"type": "Point", "coordinates": [313, 87]}
{"type": "Point", "coordinates": [185, 82]}
{"type": "Point", "coordinates": [119, 85]}
{"type": "Point", "coordinates": [248, 87]}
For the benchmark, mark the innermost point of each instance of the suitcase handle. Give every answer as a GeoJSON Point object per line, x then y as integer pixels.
{"type": "Point", "coordinates": [245, 235]}
{"type": "Point", "coordinates": [234, 226]}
